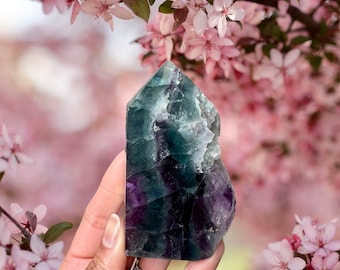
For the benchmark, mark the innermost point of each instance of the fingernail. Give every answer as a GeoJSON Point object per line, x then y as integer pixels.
{"type": "Point", "coordinates": [111, 231]}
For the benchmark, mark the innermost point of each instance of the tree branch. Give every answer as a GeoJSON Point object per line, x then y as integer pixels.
{"type": "Point", "coordinates": [23, 231]}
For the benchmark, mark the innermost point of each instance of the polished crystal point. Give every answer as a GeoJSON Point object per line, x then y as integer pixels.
{"type": "Point", "coordinates": [179, 199]}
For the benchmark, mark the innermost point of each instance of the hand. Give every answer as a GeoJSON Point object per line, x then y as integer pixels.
{"type": "Point", "coordinates": [99, 243]}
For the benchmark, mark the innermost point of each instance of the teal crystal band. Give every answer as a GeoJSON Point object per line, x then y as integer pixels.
{"type": "Point", "coordinates": [179, 199]}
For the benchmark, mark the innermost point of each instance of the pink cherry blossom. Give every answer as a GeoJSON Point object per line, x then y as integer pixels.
{"type": "Point", "coordinates": [280, 66]}
{"type": "Point", "coordinates": [319, 239]}
{"type": "Point", "coordinates": [106, 9]}
{"type": "Point", "coordinates": [18, 213]}
{"type": "Point", "coordinates": [284, 61]}
{"type": "Point", "coordinates": [43, 257]}
{"type": "Point", "coordinates": [298, 229]}
{"type": "Point", "coordinates": [223, 9]}
{"type": "Point", "coordinates": [200, 42]}
{"type": "Point", "coordinates": [18, 261]}
{"type": "Point", "coordinates": [281, 257]}
{"type": "Point", "coordinates": [211, 49]}
{"type": "Point", "coordinates": [160, 39]}
{"type": "Point", "coordinates": [206, 46]}
{"type": "Point", "coordinates": [10, 151]}
{"type": "Point", "coordinates": [325, 263]}
{"type": "Point", "coordinates": [164, 36]}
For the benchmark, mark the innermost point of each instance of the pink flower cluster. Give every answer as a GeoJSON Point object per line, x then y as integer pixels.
{"type": "Point", "coordinates": [234, 40]}
{"type": "Point", "coordinates": [310, 246]}
{"type": "Point", "coordinates": [21, 247]}
{"type": "Point", "coordinates": [24, 243]}
{"type": "Point", "coordinates": [105, 9]}
{"type": "Point", "coordinates": [227, 38]}
{"type": "Point", "coordinates": [205, 35]}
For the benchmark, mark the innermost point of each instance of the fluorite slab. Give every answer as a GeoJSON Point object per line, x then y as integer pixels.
{"type": "Point", "coordinates": [179, 199]}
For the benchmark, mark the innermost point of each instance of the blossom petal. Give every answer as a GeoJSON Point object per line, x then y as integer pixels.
{"type": "Point", "coordinates": [48, 6]}
{"type": "Point", "coordinates": [61, 5]}
{"type": "Point", "coordinates": [42, 266]}
{"type": "Point", "coordinates": [215, 53]}
{"type": "Point", "coordinates": [297, 219]}
{"type": "Point", "coordinates": [121, 13]}
{"type": "Point", "coordinates": [310, 246]}
{"type": "Point", "coordinates": [194, 52]}
{"type": "Point", "coordinates": [286, 251]}
{"type": "Point", "coordinates": [5, 234]}
{"type": "Point", "coordinates": [3, 165]}
{"type": "Point", "coordinates": [6, 137]}
{"type": "Point", "coordinates": [28, 256]}
{"type": "Point", "coordinates": [166, 24]}
{"type": "Point", "coordinates": [223, 42]}
{"type": "Point", "coordinates": [265, 72]}
{"type": "Point", "coordinates": [333, 245]}
{"type": "Point", "coordinates": [278, 80]}
{"type": "Point", "coordinates": [90, 7]}
{"type": "Point", "coordinates": [271, 256]}
{"type": "Point", "coordinates": [55, 250]}
{"type": "Point", "coordinates": [214, 19]}
{"type": "Point", "coordinates": [16, 209]}
{"type": "Point", "coordinates": [75, 11]}
{"type": "Point", "coordinates": [40, 211]}
{"type": "Point", "coordinates": [168, 44]}
{"type": "Point", "coordinates": [55, 263]}
{"type": "Point", "coordinates": [296, 264]}
{"type": "Point", "coordinates": [329, 232]}
{"type": "Point", "coordinates": [222, 26]}
{"type": "Point", "coordinates": [331, 260]}
{"type": "Point", "coordinates": [37, 245]}
{"type": "Point", "coordinates": [210, 65]}
{"type": "Point", "coordinates": [219, 5]}
{"type": "Point", "coordinates": [275, 246]}
{"type": "Point", "coordinates": [236, 13]}
{"type": "Point", "coordinates": [276, 57]}
{"type": "Point", "coordinates": [225, 65]}
{"type": "Point", "coordinates": [196, 42]}
{"type": "Point", "coordinates": [317, 262]}
{"type": "Point", "coordinates": [311, 232]}
{"type": "Point", "coordinates": [40, 229]}
{"type": "Point", "coordinates": [230, 52]}
{"type": "Point", "coordinates": [200, 22]}
{"type": "Point", "coordinates": [291, 57]}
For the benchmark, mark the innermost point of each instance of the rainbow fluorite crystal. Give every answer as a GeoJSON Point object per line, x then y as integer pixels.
{"type": "Point", "coordinates": [179, 199]}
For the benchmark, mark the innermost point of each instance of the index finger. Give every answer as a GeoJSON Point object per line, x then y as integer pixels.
{"type": "Point", "coordinates": [107, 200]}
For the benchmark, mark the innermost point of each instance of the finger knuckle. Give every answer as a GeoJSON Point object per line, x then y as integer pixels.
{"type": "Point", "coordinates": [95, 220]}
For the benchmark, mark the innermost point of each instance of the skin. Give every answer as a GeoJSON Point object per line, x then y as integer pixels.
{"type": "Point", "coordinates": [99, 241]}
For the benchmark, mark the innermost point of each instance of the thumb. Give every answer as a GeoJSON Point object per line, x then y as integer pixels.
{"type": "Point", "coordinates": [110, 254]}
